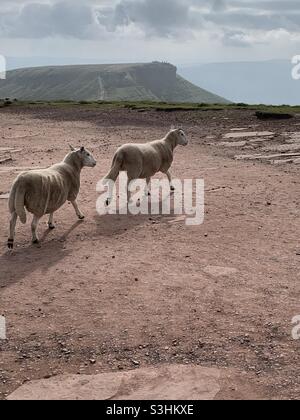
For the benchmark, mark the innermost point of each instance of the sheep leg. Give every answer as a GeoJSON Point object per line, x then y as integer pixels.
{"type": "Point", "coordinates": [77, 211]}
{"type": "Point", "coordinates": [130, 179]}
{"type": "Point", "coordinates": [34, 225]}
{"type": "Point", "coordinates": [128, 192]}
{"type": "Point", "coordinates": [147, 188]}
{"type": "Point", "coordinates": [12, 227]}
{"type": "Point", "coordinates": [51, 225]}
{"type": "Point", "coordinates": [170, 181]}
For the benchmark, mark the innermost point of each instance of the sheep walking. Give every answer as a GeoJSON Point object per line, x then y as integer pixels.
{"type": "Point", "coordinates": [143, 161]}
{"type": "Point", "coordinates": [44, 191]}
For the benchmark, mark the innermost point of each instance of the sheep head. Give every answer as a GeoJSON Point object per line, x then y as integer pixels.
{"type": "Point", "coordinates": [86, 158]}
{"type": "Point", "coordinates": [81, 157]}
{"type": "Point", "coordinates": [179, 137]}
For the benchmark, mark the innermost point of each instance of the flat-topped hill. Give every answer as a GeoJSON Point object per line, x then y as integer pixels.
{"type": "Point", "coordinates": [115, 82]}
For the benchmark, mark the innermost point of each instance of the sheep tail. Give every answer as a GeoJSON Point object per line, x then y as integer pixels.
{"type": "Point", "coordinates": [18, 199]}
{"type": "Point", "coordinates": [115, 169]}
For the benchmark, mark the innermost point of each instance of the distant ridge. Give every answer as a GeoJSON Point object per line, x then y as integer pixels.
{"type": "Point", "coordinates": [106, 82]}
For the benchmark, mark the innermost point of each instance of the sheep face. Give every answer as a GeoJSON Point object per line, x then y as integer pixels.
{"type": "Point", "coordinates": [181, 138]}
{"type": "Point", "coordinates": [87, 158]}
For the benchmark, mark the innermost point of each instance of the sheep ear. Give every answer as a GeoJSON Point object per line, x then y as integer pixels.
{"type": "Point", "coordinates": [72, 148]}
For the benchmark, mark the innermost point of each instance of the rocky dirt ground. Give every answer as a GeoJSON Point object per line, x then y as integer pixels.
{"type": "Point", "coordinates": [122, 292]}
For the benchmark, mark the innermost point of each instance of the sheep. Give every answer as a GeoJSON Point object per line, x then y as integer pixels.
{"type": "Point", "coordinates": [143, 161]}
{"type": "Point", "coordinates": [44, 191]}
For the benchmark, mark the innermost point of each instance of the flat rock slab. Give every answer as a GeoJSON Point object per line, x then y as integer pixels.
{"type": "Point", "coordinates": [217, 271]}
{"type": "Point", "coordinates": [5, 159]}
{"type": "Point", "coordinates": [178, 219]}
{"type": "Point", "coordinates": [248, 134]}
{"type": "Point", "coordinates": [18, 168]}
{"type": "Point", "coordinates": [233, 144]}
{"type": "Point", "coordinates": [286, 161]}
{"type": "Point", "coordinates": [293, 137]}
{"type": "Point", "coordinates": [9, 150]}
{"type": "Point", "coordinates": [6, 149]}
{"type": "Point", "coordinates": [260, 140]}
{"type": "Point", "coordinates": [169, 382]}
{"type": "Point", "coordinates": [268, 157]}
{"type": "Point", "coordinates": [21, 137]}
{"type": "Point", "coordinates": [282, 148]}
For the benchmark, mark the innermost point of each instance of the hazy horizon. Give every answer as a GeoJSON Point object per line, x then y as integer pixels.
{"type": "Point", "coordinates": [38, 61]}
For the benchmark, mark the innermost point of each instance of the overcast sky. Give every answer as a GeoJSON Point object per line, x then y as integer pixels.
{"type": "Point", "coordinates": [180, 31]}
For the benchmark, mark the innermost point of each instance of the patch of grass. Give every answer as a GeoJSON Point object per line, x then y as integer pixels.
{"type": "Point", "coordinates": [5, 102]}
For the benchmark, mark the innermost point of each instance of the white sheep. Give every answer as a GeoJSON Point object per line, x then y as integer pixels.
{"type": "Point", "coordinates": [45, 191]}
{"type": "Point", "coordinates": [143, 161]}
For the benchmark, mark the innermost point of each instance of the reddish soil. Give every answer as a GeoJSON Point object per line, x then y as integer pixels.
{"type": "Point", "coordinates": [120, 292]}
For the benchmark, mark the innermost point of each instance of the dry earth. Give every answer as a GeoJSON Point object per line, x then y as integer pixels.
{"type": "Point", "coordinates": [117, 293]}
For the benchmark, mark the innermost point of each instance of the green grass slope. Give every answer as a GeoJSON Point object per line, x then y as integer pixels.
{"type": "Point", "coordinates": [124, 82]}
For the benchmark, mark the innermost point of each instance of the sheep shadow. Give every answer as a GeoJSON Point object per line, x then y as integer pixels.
{"type": "Point", "coordinates": [21, 263]}
{"type": "Point", "coordinates": [109, 225]}
{"type": "Point", "coordinates": [115, 224]}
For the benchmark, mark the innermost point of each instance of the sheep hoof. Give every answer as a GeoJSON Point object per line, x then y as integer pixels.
{"type": "Point", "coordinates": [51, 226]}
{"type": "Point", "coordinates": [10, 244]}
{"type": "Point", "coordinates": [172, 188]}
{"type": "Point", "coordinates": [35, 241]}
{"type": "Point", "coordinates": [81, 217]}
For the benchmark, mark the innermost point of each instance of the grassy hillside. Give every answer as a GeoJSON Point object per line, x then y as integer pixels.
{"type": "Point", "coordinates": [124, 82]}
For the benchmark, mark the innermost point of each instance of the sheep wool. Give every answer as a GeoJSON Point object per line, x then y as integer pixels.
{"type": "Point", "coordinates": [143, 161]}
{"type": "Point", "coordinates": [44, 191]}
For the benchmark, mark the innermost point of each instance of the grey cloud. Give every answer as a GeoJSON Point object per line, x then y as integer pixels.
{"type": "Point", "coordinates": [219, 5]}
{"type": "Point", "coordinates": [271, 21]}
{"type": "Point", "coordinates": [38, 20]}
{"type": "Point", "coordinates": [156, 17]}
{"type": "Point", "coordinates": [235, 39]}
{"type": "Point", "coordinates": [266, 5]}
{"type": "Point", "coordinates": [172, 17]}
{"type": "Point", "coordinates": [95, 19]}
